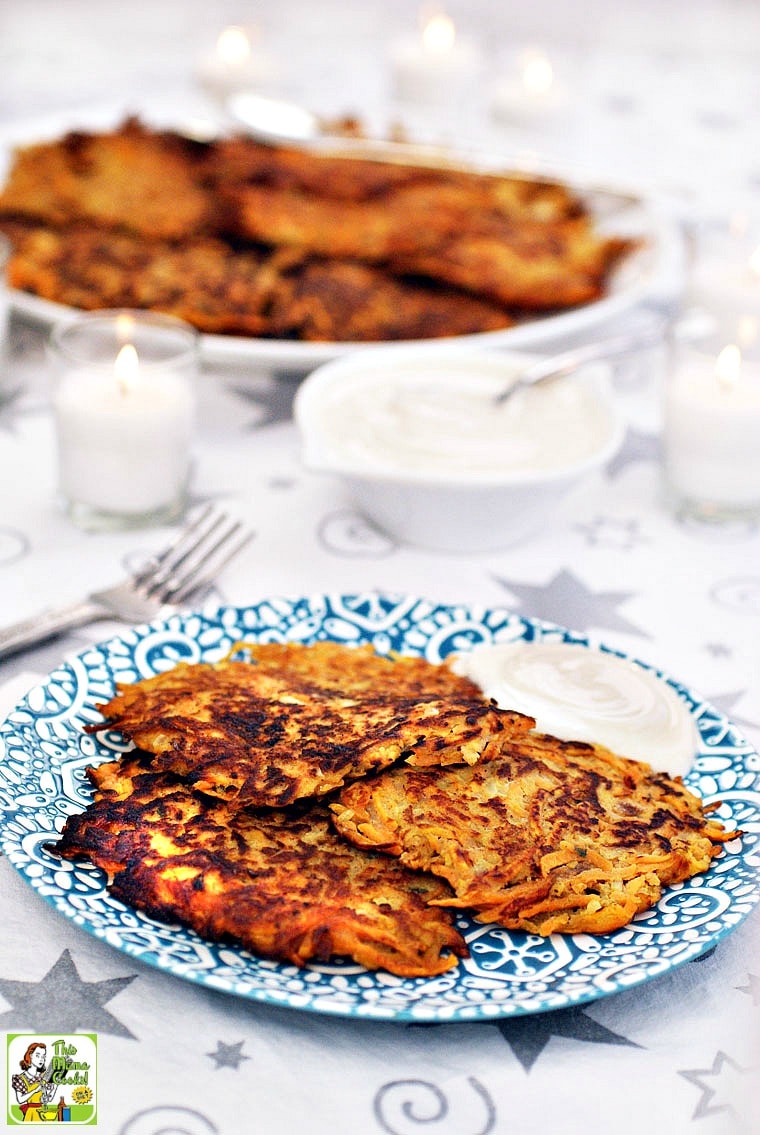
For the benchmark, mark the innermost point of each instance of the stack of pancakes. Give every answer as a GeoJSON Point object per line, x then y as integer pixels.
{"type": "Point", "coordinates": [275, 242]}
{"type": "Point", "coordinates": [323, 801]}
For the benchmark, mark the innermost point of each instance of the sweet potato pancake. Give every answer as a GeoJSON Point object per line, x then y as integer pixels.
{"type": "Point", "coordinates": [522, 263]}
{"type": "Point", "coordinates": [131, 178]}
{"type": "Point", "coordinates": [255, 291]}
{"type": "Point", "coordinates": [360, 670]}
{"type": "Point", "coordinates": [241, 161]}
{"type": "Point", "coordinates": [258, 737]}
{"type": "Point", "coordinates": [327, 300]}
{"type": "Point", "coordinates": [283, 885]}
{"type": "Point", "coordinates": [277, 242]}
{"type": "Point", "coordinates": [203, 281]}
{"type": "Point", "coordinates": [548, 836]}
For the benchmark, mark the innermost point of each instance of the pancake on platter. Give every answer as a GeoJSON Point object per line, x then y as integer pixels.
{"type": "Point", "coordinates": [263, 736]}
{"type": "Point", "coordinates": [132, 179]}
{"type": "Point", "coordinates": [282, 243]}
{"type": "Point", "coordinates": [546, 836]}
{"type": "Point", "coordinates": [253, 291]}
{"type": "Point", "coordinates": [525, 264]}
{"type": "Point", "coordinates": [242, 161]}
{"type": "Point", "coordinates": [201, 280]}
{"type": "Point", "coordinates": [320, 299]}
{"type": "Point", "coordinates": [283, 885]}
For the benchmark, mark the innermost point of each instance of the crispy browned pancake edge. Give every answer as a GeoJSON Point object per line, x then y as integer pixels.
{"type": "Point", "coordinates": [547, 836]}
{"type": "Point", "coordinates": [285, 886]}
{"type": "Point", "coordinates": [268, 734]}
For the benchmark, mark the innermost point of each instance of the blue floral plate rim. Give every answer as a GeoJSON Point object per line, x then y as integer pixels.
{"type": "Point", "coordinates": [44, 751]}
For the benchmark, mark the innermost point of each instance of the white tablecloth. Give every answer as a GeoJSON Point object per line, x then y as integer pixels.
{"type": "Point", "coordinates": [666, 106]}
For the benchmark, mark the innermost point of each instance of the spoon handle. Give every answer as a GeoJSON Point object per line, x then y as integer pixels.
{"type": "Point", "coordinates": [556, 366]}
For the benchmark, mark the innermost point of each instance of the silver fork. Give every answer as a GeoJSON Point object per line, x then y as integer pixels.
{"type": "Point", "coordinates": [169, 579]}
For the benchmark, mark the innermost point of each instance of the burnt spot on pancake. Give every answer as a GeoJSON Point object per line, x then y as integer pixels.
{"type": "Point", "coordinates": [284, 885]}
{"type": "Point", "coordinates": [303, 720]}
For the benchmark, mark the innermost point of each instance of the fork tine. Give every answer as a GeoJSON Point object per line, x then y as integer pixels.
{"type": "Point", "coordinates": [206, 568]}
{"type": "Point", "coordinates": [195, 557]}
{"type": "Point", "coordinates": [176, 548]}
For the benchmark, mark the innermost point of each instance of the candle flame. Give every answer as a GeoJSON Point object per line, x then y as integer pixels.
{"type": "Point", "coordinates": [728, 365]}
{"type": "Point", "coordinates": [738, 223]}
{"type": "Point", "coordinates": [124, 326]}
{"type": "Point", "coordinates": [126, 367]}
{"type": "Point", "coordinates": [748, 331]}
{"type": "Point", "coordinates": [438, 33]}
{"type": "Point", "coordinates": [234, 46]}
{"type": "Point", "coordinates": [537, 72]}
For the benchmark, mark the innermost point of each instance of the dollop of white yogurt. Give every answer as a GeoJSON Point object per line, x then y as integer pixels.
{"type": "Point", "coordinates": [577, 693]}
{"type": "Point", "coordinates": [439, 419]}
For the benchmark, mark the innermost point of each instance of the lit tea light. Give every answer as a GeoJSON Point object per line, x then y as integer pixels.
{"type": "Point", "coordinates": [712, 426]}
{"type": "Point", "coordinates": [124, 406]}
{"type": "Point", "coordinates": [435, 65]}
{"type": "Point", "coordinates": [237, 63]}
{"type": "Point", "coordinates": [531, 94]}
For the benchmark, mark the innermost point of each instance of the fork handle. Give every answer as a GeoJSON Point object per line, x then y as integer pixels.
{"type": "Point", "coordinates": [48, 624]}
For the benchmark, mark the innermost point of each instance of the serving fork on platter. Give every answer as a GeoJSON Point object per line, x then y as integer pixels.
{"type": "Point", "coordinates": [170, 579]}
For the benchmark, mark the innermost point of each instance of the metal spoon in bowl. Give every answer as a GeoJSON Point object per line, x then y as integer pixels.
{"type": "Point", "coordinates": [613, 346]}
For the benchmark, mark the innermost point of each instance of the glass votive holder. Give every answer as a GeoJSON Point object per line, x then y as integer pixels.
{"type": "Point", "coordinates": [711, 425]}
{"type": "Point", "coordinates": [124, 410]}
{"type": "Point", "coordinates": [436, 65]}
{"type": "Point", "coordinates": [724, 276]}
{"type": "Point", "coordinates": [238, 62]}
{"type": "Point", "coordinates": [5, 253]}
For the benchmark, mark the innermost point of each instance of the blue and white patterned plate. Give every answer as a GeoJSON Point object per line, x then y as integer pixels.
{"type": "Point", "coordinates": [44, 753]}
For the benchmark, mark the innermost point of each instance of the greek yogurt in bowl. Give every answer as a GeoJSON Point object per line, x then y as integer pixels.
{"type": "Point", "coordinates": [427, 453]}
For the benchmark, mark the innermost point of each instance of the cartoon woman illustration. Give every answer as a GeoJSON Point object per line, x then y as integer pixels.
{"type": "Point", "coordinates": [31, 1085]}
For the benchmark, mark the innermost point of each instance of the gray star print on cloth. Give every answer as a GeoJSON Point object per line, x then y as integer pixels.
{"type": "Point", "coordinates": [611, 532]}
{"type": "Point", "coordinates": [61, 1002]}
{"type": "Point", "coordinates": [274, 402]}
{"type": "Point", "coordinates": [726, 702]}
{"type": "Point", "coordinates": [752, 988]}
{"type": "Point", "coordinates": [566, 600]}
{"type": "Point", "coordinates": [528, 1036]}
{"type": "Point", "coordinates": [228, 1055]}
{"type": "Point", "coordinates": [722, 1089]}
{"type": "Point", "coordinates": [636, 446]}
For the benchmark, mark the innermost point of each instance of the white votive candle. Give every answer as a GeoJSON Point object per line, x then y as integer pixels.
{"type": "Point", "coordinates": [712, 432]}
{"type": "Point", "coordinates": [437, 64]}
{"type": "Point", "coordinates": [124, 405]}
{"type": "Point", "coordinates": [529, 95]}
{"type": "Point", "coordinates": [238, 62]}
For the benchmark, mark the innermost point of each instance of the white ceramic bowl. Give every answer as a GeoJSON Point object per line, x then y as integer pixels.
{"type": "Point", "coordinates": [426, 455]}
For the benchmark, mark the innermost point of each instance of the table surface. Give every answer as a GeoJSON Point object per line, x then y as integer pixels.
{"type": "Point", "coordinates": [665, 105]}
